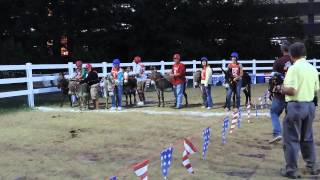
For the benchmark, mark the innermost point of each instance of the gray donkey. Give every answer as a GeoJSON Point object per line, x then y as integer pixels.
{"type": "Point", "coordinates": [108, 86]}
{"type": "Point", "coordinates": [162, 82]}
{"type": "Point", "coordinates": [83, 95]}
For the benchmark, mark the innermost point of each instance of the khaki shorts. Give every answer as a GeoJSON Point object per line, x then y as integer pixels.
{"type": "Point", "coordinates": [140, 86]}
{"type": "Point", "coordinates": [94, 91]}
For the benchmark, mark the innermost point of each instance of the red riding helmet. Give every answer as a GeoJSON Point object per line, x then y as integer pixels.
{"type": "Point", "coordinates": [88, 66]}
{"type": "Point", "coordinates": [78, 63]}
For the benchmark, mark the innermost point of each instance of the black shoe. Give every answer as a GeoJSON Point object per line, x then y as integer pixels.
{"type": "Point", "coordinates": [313, 172]}
{"type": "Point", "coordinates": [290, 175]}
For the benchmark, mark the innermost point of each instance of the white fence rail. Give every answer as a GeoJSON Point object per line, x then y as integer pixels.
{"type": "Point", "coordinates": [254, 67]}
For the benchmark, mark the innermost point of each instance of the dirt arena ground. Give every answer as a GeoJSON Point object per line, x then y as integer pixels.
{"type": "Point", "coordinates": [60, 143]}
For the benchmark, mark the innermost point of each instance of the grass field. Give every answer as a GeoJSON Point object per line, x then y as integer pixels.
{"type": "Point", "coordinates": [42, 145]}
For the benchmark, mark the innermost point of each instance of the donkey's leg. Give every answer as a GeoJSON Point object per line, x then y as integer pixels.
{"type": "Point", "coordinates": [70, 99]}
{"type": "Point", "coordinates": [186, 97]}
{"type": "Point", "coordinates": [162, 98]}
{"type": "Point", "coordinates": [158, 93]}
{"type": "Point", "coordinates": [107, 101]}
{"type": "Point", "coordinates": [62, 99]}
{"type": "Point", "coordinates": [126, 99]}
{"type": "Point", "coordinates": [247, 96]}
{"type": "Point", "coordinates": [130, 98]}
{"type": "Point", "coordinates": [134, 97]}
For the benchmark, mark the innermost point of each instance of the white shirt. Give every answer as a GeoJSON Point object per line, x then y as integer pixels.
{"type": "Point", "coordinates": [139, 71]}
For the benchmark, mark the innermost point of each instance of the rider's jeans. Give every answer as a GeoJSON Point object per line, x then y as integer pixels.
{"type": "Point", "coordinates": [238, 91]}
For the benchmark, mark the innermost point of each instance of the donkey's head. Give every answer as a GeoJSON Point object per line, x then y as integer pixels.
{"type": "Point", "coordinates": [196, 79]}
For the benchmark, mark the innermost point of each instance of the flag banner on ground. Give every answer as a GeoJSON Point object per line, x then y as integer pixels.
{"type": "Point", "coordinates": [255, 108]}
{"type": "Point", "coordinates": [261, 102]}
{"type": "Point", "coordinates": [249, 112]}
{"type": "Point", "coordinates": [206, 134]}
{"type": "Point", "coordinates": [113, 178]}
{"type": "Point", "coordinates": [224, 131]}
{"type": "Point", "coordinates": [166, 161]}
{"type": "Point", "coordinates": [239, 118]}
{"type": "Point", "coordinates": [141, 169]}
{"type": "Point", "coordinates": [189, 149]}
{"type": "Point", "coordinates": [234, 121]}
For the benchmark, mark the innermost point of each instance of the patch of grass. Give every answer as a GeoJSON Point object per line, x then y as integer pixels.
{"type": "Point", "coordinates": [38, 145]}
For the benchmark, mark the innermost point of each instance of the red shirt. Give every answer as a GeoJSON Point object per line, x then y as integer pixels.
{"type": "Point", "coordinates": [114, 73]}
{"type": "Point", "coordinates": [178, 69]}
{"type": "Point", "coordinates": [235, 69]}
{"type": "Point", "coordinates": [203, 73]}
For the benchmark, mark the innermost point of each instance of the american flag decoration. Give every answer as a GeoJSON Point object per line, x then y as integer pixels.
{"type": "Point", "coordinates": [255, 108]}
{"type": "Point", "coordinates": [239, 118]}
{"type": "Point", "coordinates": [268, 98]}
{"type": "Point", "coordinates": [261, 102]}
{"type": "Point", "coordinates": [234, 121]}
{"type": "Point", "coordinates": [249, 111]}
{"type": "Point", "coordinates": [189, 149]}
{"type": "Point", "coordinates": [265, 99]}
{"type": "Point", "coordinates": [113, 178]}
{"type": "Point", "coordinates": [225, 127]}
{"type": "Point", "coordinates": [166, 159]}
{"type": "Point", "coordinates": [206, 134]}
{"type": "Point", "coordinates": [141, 169]}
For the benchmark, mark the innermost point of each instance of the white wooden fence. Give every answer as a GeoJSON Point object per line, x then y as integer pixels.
{"type": "Point", "coordinates": [256, 67]}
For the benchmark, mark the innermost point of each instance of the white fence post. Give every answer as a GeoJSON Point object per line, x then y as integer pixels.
{"type": "Point", "coordinates": [314, 61]}
{"type": "Point", "coordinates": [194, 65]}
{"type": "Point", "coordinates": [30, 85]}
{"type": "Point", "coordinates": [104, 69]}
{"type": "Point", "coordinates": [254, 70]}
{"type": "Point", "coordinates": [70, 69]}
{"type": "Point", "coordinates": [162, 67]}
{"type": "Point", "coordinates": [224, 64]}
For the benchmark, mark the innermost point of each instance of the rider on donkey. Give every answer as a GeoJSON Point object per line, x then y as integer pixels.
{"type": "Point", "coordinates": [92, 80]}
{"type": "Point", "coordinates": [139, 71]}
{"type": "Point", "coordinates": [79, 75]}
{"type": "Point", "coordinates": [117, 75]}
{"type": "Point", "coordinates": [178, 79]}
{"type": "Point", "coordinates": [237, 72]}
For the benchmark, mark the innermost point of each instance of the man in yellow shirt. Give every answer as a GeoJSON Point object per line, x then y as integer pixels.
{"type": "Point", "coordinates": [300, 86]}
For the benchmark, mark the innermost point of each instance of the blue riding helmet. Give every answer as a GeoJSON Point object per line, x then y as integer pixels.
{"type": "Point", "coordinates": [116, 62]}
{"type": "Point", "coordinates": [204, 59]}
{"type": "Point", "coordinates": [235, 54]}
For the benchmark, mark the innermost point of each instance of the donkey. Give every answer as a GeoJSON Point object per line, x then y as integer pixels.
{"type": "Point", "coordinates": [246, 85]}
{"type": "Point", "coordinates": [63, 84]}
{"type": "Point", "coordinates": [197, 79]}
{"type": "Point", "coordinates": [129, 88]}
{"type": "Point", "coordinates": [275, 80]}
{"type": "Point", "coordinates": [83, 95]}
{"type": "Point", "coordinates": [108, 86]}
{"type": "Point", "coordinates": [161, 83]}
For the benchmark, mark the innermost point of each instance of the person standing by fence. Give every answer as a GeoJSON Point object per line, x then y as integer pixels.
{"type": "Point", "coordinates": [281, 66]}
{"type": "Point", "coordinates": [79, 75]}
{"type": "Point", "coordinates": [117, 75]}
{"type": "Point", "coordinates": [206, 82]}
{"type": "Point", "coordinates": [300, 86]}
{"type": "Point", "coordinates": [92, 80]}
{"type": "Point", "coordinates": [139, 71]}
{"type": "Point", "coordinates": [237, 72]}
{"type": "Point", "coordinates": [178, 80]}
